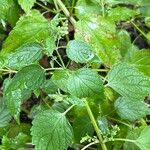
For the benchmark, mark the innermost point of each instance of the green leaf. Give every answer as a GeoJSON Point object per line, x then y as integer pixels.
{"type": "Point", "coordinates": [9, 7]}
{"type": "Point", "coordinates": [140, 138]}
{"type": "Point", "coordinates": [100, 34]}
{"type": "Point", "coordinates": [30, 28]}
{"type": "Point", "coordinates": [18, 142]}
{"type": "Point", "coordinates": [82, 126]}
{"type": "Point", "coordinates": [128, 81]}
{"type": "Point", "coordinates": [79, 51]}
{"type": "Point", "coordinates": [144, 8]}
{"type": "Point", "coordinates": [22, 84]}
{"type": "Point", "coordinates": [133, 134]}
{"type": "Point", "coordinates": [49, 87]}
{"type": "Point", "coordinates": [85, 83]}
{"type": "Point", "coordinates": [143, 141]}
{"type": "Point", "coordinates": [50, 45]}
{"type": "Point", "coordinates": [23, 56]}
{"type": "Point", "coordinates": [26, 5]}
{"type": "Point", "coordinates": [103, 125]}
{"type": "Point", "coordinates": [74, 101]}
{"type": "Point", "coordinates": [15, 129]}
{"type": "Point", "coordinates": [131, 109]}
{"type": "Point", "coordinates": [121, 13]}
{"type": "Point", "coordinates": [124, 42]}
{"type": "Point", "coordinates": [5, 117]}
{"type": "Point", "coordinates": [141, 60]}
{"type": "Point", "coordinates": [51, 131]}
{"type": "Point", "coordinates": [114, 2]}
{"type": "Point", "coordinates": [86, 8]}
{"type": "Point", "coordinates": [60, 78]}
{"type": "Point", "coordinates": [147, 21]}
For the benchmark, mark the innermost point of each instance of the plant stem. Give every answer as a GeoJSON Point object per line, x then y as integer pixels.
{"type": "Point", "coordinates": [49, 69]}
{"type": "Point", "coordinates": [90, 144]}
{"type": "Point", "coordinates": [8, 70]}
{"type": "Point", "coordinates": [57, 62]}
{"type": "Point", "coordinates": [143, 122]}
{"type": "Point", "coordinates": [124, 123]}
{"type": "Point", "coordinates": [72, 7]}
{"type": "Point", "coordinates": [60, 56]}
{"type": "Point", "coordinates": [141, 32]}
{"type": "Point", "coordinates": [101, 70]}
{"type": "Point", "coordinates": [66, 12]}
{"type": "Point", "coordinates": [55, 3]}
{"type": "Point", "coordinates": [64, 113]}
{"type": "Point", "coordinates": [46, 8]}
{"type": "Point", "coordinates": [103, 8]}
{"type": "Point", "coordinates": [97, 130]}
{"type": "Point", "coordinates": [120, 139]}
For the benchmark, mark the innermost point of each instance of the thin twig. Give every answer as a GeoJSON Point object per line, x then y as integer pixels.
{"type": "Point", "coordinates": [46, 8]}
{"type": "Point", "coordinates": [90, 144]}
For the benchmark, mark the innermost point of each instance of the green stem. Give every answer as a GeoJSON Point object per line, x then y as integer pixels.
{"type": "Point", "coordinates": [60, 56]}
{"type": "Point", "coordinates": [55, 3]}
{"type": "Point", "coordinates": [25, 110]}
{"type": "Point", "coordinates": [143, 122]}
{"type": "Point", "coordinates": [72, 7]}
{"type": "Point", "coordinates": [97, 130]}
{"type": "Point", "coordinates": [120, 139]}
{"type": "Point", "coordinates": [46, 8]}
{"type": "Point", "coordinates": [64, 113]}
{"type": "Point", "coordinates": [8, 70]}
{"type": "Point", "coordinates": [90, 144]}
{"type": "Point", "coordinates": [66, 12]}
{"type": "Point", "coordinates": [103, 8]}
{"type": "Point", "coordinates": [124, 123]}
{"type": "Point", "coordinates": [57, 62]}
{"type": "Point", "coordinates": [49, 69]}
{"type": "Point", "coordinates": [101, 70]}
{"type": "Point", "coordinates": [67, 3]}
{"type": "Point", "coordinates": [142, 33]}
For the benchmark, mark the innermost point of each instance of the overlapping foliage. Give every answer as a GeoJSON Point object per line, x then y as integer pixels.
{"type": "Point", "coordinates": [93, 88]}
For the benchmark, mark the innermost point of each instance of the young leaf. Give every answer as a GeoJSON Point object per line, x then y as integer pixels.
{"type": "Point", "coordinates": [26, 6]}
{"type": "Point", "coordinates": [5, 117]}
{"type": "Point", "coordinates": [30, 28]}
{"type": "Point", "coordinates": [24, 56]}
{"type": "Point", "coordinates": [20, 87]}
{"type": "Point", "coordinates": [128, 81]}
{"type": "Point", "coordinates": [85, 83]}
{"type": "Point", "coordinates": [79, 51]}
{"type": "Point", "coordinates": [131, 109]}
{"type": "Point", "coordinates": [51, 131]}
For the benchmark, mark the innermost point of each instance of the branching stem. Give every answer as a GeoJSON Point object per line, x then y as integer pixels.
{"type": "Point", "coordinates": [141, 32]}
{"type": "Point", "coordinates": [66, 12]}
{"type": "Point", "coordinates": [97, 130]}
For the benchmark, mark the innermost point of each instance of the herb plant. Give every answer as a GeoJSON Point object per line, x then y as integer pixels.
{"type": "Point", "coordinates": [74, 74]}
